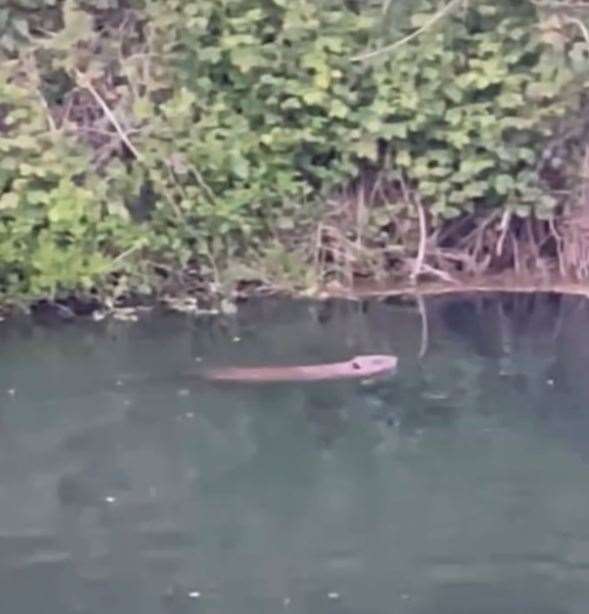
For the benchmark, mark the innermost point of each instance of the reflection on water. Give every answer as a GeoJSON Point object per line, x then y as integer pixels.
{"type": "Point", "coordinates": [458, 486]}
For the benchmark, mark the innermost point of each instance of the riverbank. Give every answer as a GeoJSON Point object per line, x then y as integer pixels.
{"type": "Point", "coordinates": [492, 283]}
{"type": "Point", "coordinates": [132, 308]}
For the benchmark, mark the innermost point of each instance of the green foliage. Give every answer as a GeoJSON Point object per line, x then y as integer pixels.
{"type": "Point", "coordinates": [467, 110]}
{"type": "Point", "coordinates": [163, 132]}
{"type": "Point", "coordinates": [260, 108]}
{"type": "Point", "coordinates": [269, 107]}
{"type": "Point", "coordinates": [58, 228]}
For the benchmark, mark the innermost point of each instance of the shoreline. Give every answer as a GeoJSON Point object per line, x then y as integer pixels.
{"type": "Point", "coordinates": [443, 288]}
{"type": "Point", "coordinates": [75, 307]}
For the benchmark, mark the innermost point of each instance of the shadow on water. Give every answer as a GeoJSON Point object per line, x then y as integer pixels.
{"type": "Point", "coordinates": [458, 485]}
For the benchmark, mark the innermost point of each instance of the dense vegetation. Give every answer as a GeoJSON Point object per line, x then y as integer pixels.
{"type": "Point", "coordinates": [168, 146]}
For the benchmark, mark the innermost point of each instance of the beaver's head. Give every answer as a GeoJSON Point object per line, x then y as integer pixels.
{"type": "Point", "coordinates": [374, 364]}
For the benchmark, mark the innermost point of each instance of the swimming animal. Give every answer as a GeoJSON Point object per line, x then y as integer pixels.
{"type": "Point", "coordinates": [357, 367]}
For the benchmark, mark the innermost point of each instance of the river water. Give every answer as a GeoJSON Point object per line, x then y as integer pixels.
{"type": "Point", "coordinates": [459, 485]}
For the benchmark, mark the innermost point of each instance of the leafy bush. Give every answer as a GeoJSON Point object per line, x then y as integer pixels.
{"type": "Point", "coordinates": [56, 230]}
{"type": "Point", "coordinates": [467, 110]}
{"type": "Point", "coordinates": [260, 111]}
{"type": "Point", "coordinates": [198, 129]}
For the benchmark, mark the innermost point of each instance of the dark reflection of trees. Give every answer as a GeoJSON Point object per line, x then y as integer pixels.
{"type": "Point", "coordinates": [493, 325]}
{"type": "Point", "coordinates": [295, 332]}
{"type": "Point", "coordinates": [534, 351]}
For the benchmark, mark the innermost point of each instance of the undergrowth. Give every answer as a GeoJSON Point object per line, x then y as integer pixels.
{"type": "Point", "coordinates": [168, 147]}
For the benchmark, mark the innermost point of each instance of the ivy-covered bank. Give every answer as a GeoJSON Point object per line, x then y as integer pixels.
{"type": "Point", "coordinates": [170, 147]}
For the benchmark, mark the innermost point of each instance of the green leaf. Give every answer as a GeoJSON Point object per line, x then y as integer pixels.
{"type": "Point", "coordinates": [143, 108]}
{"type": "Point", "coordinates": [338, 109]}
{"type": "Point", "coordinates": [9, 201]}
{"type": "Point", "coordinates": [504, 184]}
{"type": "Point", "coordinates": [231, 41]}
{"type": "Point", "coordinates": [246, 58]}
{"type": "Point", "coordinates": [403, 158]}
{"type": "Point", "coordinates": [395, 130]}
{"type": "Point", "coordinates": [449, 212]}
{"type": "Point", "coordinates": [366, 149]}
{"type": "Point", "coordinates": [313, 97]}
{"type": "Point", "coordinates": [240, 167]}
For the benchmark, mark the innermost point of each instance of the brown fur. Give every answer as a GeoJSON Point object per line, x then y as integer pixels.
{"type": "Point", "coordinates": [358, 367]}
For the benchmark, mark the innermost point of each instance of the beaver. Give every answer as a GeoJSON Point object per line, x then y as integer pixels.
{"type": "Point", "coordinates": [357, 367]}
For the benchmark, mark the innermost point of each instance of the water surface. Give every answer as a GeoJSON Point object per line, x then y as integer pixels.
{"type": "Point", "coordinates": [458, 486]}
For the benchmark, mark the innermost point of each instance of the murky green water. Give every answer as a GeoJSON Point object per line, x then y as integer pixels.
{"type": "Point", "coordinates": [458, 487]}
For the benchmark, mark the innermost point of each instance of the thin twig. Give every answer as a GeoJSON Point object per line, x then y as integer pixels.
{"type": "Point", "coordinates": [203, 184]}
{"type": "Point", "coordinates": [516, 260]}
{"type": "Point", "coordinates": [443, 275]}
{"type": "Point", "coordinates": [532, 239]}
{"type": "Point", "coordinates": [317, 253]}
{"type": "Point", "coordinates": [127, 252]}
{"type": "Point", "coordinates": [581, 27]}
{"type": "Point", "coordinates": [406, 39]}
{"type": "Point", "coordinates": [86, 83]}
{"type": "Point", "coordinates": [559, 245]}
{"type": "Point", "coordinates": [424, 327]}
{"type": "Point", "coordinates": [360, 214]}
{"type": "Point", "coordinates": [422, 240]}
{"type": "Point", "coordinates": [50, 120]}
{"type": "Point", "coordinates": [505, 219]}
